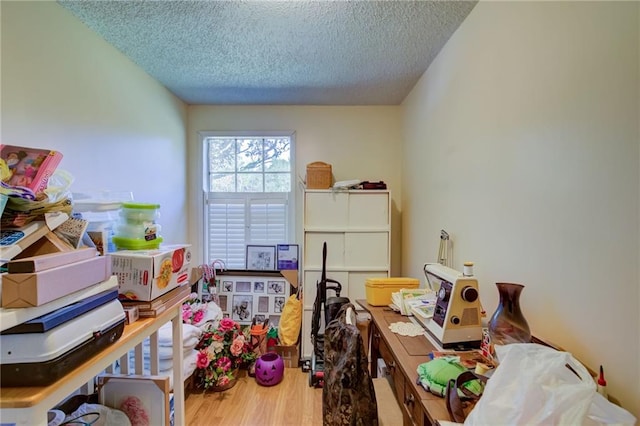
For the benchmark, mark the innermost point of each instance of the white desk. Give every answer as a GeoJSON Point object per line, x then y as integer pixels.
{"type": "Point", "coordinates": [28, 406]}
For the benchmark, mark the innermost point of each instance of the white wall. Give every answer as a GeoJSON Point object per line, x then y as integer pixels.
{"type": "Point", "coordinates": [359, 143]}
{"type": "Point", "coordinates": [522, 142]}
{"type": "Point", "coordinates": [65, 88]}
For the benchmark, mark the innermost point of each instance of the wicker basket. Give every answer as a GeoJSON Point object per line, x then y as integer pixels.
{"type": "Point", "coordinates": [319, 175]}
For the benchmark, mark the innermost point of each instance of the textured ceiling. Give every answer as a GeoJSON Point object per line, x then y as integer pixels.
{"type": "Point", "coordinates": [278, 52]}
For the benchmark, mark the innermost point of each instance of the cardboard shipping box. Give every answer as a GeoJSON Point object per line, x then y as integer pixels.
{"type": "Point", "coordinates": [37, 288]}
{"type": "Point", "coordinates": [147, 274]}
{"type": "Point", "coordinates": [289, 354]}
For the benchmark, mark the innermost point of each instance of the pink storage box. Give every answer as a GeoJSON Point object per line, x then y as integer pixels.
{"type": "Point", "coordinates": [30, 167]}
{"type": "Point", "coordinates": [37, 288]}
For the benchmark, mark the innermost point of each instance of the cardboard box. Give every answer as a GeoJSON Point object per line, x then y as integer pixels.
{"type": "Point", "coordinates": [290, 355]}
{"type": "Point", "coordinates": [51, 260]}
{"type": "Point", "coordinates": [131, 314]}
{"type": "Point", "coordinates": [147, 274]}
{"type": "Point", "coordinates": [37, 288]}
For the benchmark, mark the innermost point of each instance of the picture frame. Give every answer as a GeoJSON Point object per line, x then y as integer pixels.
{"type": "Point", "coordinates": [287, 257]}
{"type": "Point", "coordinates": [263, 304]}
{"type": "Point", "coordinates": [222, 302]}
{"type": "Point", "coordinates": [261, 258]}
{"type": "Point", "coordinates": [278, 304]}
{"type": "Point", "coordinates": [243, 286]}
{"type": "Point", "coordinates": [276, 287]}
{"type": "Point", "coordinates": [242, 309]}
{"type": "Point", "coordinates": [145, 397]}
{"type": "Point", "coordinates": [274, 320]}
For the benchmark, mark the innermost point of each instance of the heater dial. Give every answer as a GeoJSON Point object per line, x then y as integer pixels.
{"type": "Point", "coordinates": [469, 294]}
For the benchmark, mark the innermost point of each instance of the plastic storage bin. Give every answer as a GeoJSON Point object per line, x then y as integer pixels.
{"type": "Point", "coordinates": [137, 228]}
{"type": "Point", "coordinates": [102, 217]}
{"type": "Point", "coordinates": [379, 290]}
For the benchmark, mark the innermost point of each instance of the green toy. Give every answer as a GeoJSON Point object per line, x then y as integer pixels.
{"type": "Point", "coordinates": [435, 374]}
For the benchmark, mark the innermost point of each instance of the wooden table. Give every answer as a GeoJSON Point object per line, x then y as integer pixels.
{"type": "Point", "coordinates": [29, 405]}
{"type": "Point", "coordinates": [402, 356]}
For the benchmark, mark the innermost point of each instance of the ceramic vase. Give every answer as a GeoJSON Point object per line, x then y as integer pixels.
{"type": "Point", "coordinates": [507, 324]}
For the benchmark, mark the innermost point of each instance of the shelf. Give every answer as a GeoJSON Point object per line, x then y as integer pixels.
{"type": "Point", "coordinates": [343, 230]}
{"type": "Point", "coordinates": [356, 227]}
{"type": "Point", "coordinates": [29, 405]}
{"type": "Point", "coordinates": [318, 268]}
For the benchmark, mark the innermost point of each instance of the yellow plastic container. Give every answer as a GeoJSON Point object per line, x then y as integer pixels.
{"type": "Point", "coordinates": [379, 290]}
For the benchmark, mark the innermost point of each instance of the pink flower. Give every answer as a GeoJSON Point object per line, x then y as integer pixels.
{"type": "Point", "coordinates": [203, 359]}
{"type": "Point", "coordinates": [197, 317]}
{"type": "Point", "coordinates": [227, 324]}
{"type": "Point", "coordinates": [186, 316]}
{"type": "Point", "coordinates": [223, 381]}
{"type": "Point", "coordinates": [237, 345]}
{"type": "Point", "coordinates": [224, 363]}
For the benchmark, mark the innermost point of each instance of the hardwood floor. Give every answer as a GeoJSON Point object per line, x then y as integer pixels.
{"type": "Point", "coordinates": [291, 402]}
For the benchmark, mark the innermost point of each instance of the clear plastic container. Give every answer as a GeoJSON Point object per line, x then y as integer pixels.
{"type": "Point", "coordinates": [137, 226]}
{"type": "Point", "coordinates": [102, 217]}
{"type": "Point", "coordinates": [137, 213]}
{"type": "Point", "coordinates": [143, 231]}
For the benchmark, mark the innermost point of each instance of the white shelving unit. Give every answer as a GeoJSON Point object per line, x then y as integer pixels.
{"type": "Point", "coordinates": [356, 225]}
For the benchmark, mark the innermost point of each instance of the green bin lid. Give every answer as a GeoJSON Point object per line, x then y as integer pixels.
{"type": "Point", "coordinates": [136, 244]}
{"type": "Point", "coordinates": [145, 206]}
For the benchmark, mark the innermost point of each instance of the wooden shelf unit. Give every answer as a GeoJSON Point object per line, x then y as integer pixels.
{"type": "Point", "coordinates": [28, 406]}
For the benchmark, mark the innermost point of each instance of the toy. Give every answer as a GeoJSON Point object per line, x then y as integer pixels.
{"type": "Point", "coordinates": [28, 167]}
{"type": "Point", "coordinates": [269, 369]}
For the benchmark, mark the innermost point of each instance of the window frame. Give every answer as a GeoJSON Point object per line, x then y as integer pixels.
{"type": "Point", "coordinates": [209, 195]}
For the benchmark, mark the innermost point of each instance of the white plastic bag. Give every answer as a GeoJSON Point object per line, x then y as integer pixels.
{"type": "Point", "coordinates": [533, 386]}
{"type": "Point", "coordinates": [58, 185]}
{"type": "Point", "coordinates": [602, 412]}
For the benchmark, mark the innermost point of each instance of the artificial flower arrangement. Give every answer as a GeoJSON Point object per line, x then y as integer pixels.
{"type": "Point", "coordinates": [193, 310]}
{"type": "Point", "coordinates": [221, 351]}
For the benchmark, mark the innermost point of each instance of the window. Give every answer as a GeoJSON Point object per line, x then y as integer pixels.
{"type": "Point", "coordinates": [248, 193]}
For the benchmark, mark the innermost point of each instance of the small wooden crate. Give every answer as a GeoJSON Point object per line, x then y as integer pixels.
{"type": "Point", "coordinates": [319, 175]}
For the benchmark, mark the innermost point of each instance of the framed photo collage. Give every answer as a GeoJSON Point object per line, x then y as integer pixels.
{"type": "Point", "coordinates": [244, 296]}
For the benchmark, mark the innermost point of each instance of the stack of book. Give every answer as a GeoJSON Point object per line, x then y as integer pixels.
{"type": "Point", "coordinates": [158, 305]}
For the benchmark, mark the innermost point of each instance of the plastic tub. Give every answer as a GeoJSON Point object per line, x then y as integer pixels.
{"type": "Point", "coordinates": [143, 231]}
{"type": "Point", "coordinates": [379, 290]}
{"type": "Point", "coordinates": [136, 244]}
{"type": "Point", "coordinates": [100, 209]}
{"type": "Point", "coordinates": [137, 213]}
{"type": "Point", "coordinates": [102, 216]}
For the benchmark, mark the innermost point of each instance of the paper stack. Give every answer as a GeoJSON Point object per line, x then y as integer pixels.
{"type": "Point", "coordinates": [402, 299]}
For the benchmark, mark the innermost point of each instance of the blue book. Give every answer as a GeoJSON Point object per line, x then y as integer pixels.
{"type": "Point", "coordinates": [53, 319]}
